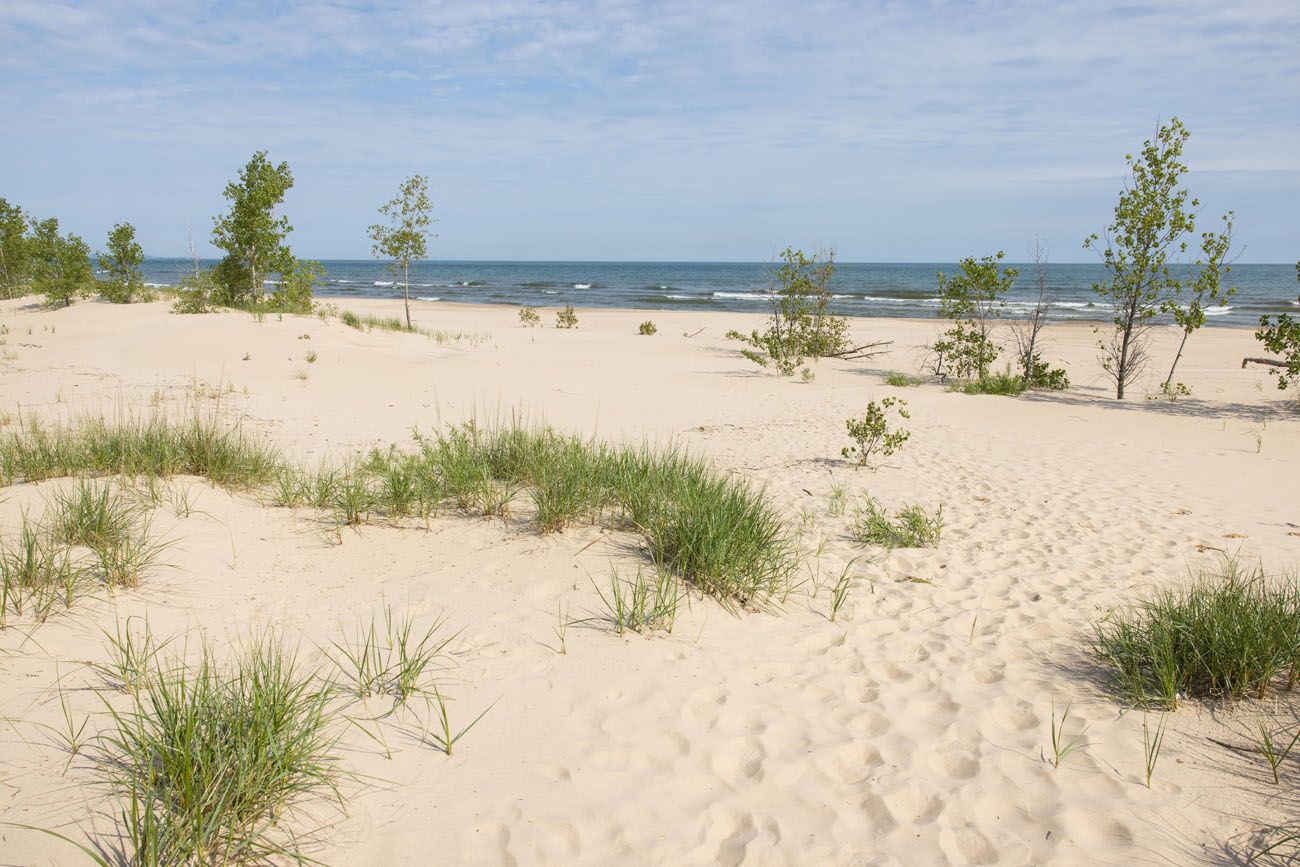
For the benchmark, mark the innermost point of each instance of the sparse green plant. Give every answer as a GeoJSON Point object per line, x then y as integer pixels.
{"type": "Point", "coordinates": [405, 239]}
{"type": "Point", "coordinates": [647, 328]}
{"type": "Point", "coordinates": [561, 629]}
{"type": "Point", "coordinates": [1171, 391]}
{"type": "Point", "coordinates": [91, 514]}
{"type": "Point", "coordinates": [123, 560]}
{"type": "Point", "coordinates": [311, 357]}
{"type": "Point", "coordinates": [1152, 742]}
{"type": "Point", "coordinates": [566, 318]}
{"type": "Point", "coordinates": [1273, 751]}
{"type": "Point", "coordinates": [643, 604]}
{"type": "Point", "coordinates": [902, 380]}
{"type": "Point", "coordinates": [872, 433]}
{"type": "Point", "coordinates": [911, 527]}
{"type": "Point", "coordinates": [840, 590]}
{"type": "Point", "coordinates": [36, 574]}
{"type": "Point", "coordinates": [133, 654]}
{"type": "Point", "coordinates": [1004, 383]}
{"type": "Point", "coordinates": [807, 374]}
{"type": "Point", "coordinates": [1063, 744]}
{"type": "Point", "coordinates": [1228, 634]}
{"type": "Point", "coordinates": [395, 661]}
{"type": "Point", "coordinates": [445, 737]}
{"type": "Point", "coordinates": [837, 501]}
{"type": "Point", "coordinates": [528, 317]}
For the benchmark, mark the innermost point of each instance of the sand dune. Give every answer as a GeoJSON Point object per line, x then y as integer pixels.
{"type": "Point", "coordinates": [910, 731]}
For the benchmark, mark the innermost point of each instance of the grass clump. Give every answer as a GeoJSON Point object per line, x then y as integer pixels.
{"type": "Point", "coordinates": [647, 328]}
{"type": "Point", "coordinates": [1004, 383]}
{"type": "Point", "coordinates": [902, 380]}
{"type": "Point", "coordinates": [37, 573]}
{"type": "Point", "coordinates": [213, 760]}
{"type": "Point", "coordinates": [92, 515]}
{"type": "Point", "coordinates": [1229, 634]}
{"type": "Point", "coordinates": [395, 660]}
{"type": "Point", "coordinates": [643, 604]}
{"type": "Point", "coordinates": [910, 527]}
{"type": "Point", "coordinates": [150, 447]}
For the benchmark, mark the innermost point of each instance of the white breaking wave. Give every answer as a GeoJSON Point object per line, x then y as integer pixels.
{"type": "Point", "coordinates": [383, 283]}
{"type": "Point", "coordinates": [426, 298]}
{"type": "Point", "coordinates": [679, 297]}
{"type": "Point", "coordinates": [748, 296]}
{"type": "Point", "coordinates": [1217, 311]}
{"type": "Point", "coordinates": [581, 285]}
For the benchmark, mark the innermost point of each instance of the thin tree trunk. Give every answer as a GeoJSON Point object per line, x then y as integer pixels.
{"type": "Point", "coordinates": [406, 291]}
{"type": "Point", "coordinates": [1174, 366]}
{"type": "Point", "coordinates": [1121, 369]}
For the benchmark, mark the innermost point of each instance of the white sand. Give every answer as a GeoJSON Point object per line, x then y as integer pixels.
{"type": "Point", "coordinates": [912, 731]}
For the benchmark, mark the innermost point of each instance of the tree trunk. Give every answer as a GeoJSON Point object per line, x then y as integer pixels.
{"type": "Point", "coordinates": [1174, 366]}
{"type": "Point", "coordinates": [1121, 369]}
{"type": "Point", "coordinates": [406, 291]}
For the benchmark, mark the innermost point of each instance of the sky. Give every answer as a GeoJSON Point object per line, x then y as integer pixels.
{"type": "Point", "coordinates": [889, 131]}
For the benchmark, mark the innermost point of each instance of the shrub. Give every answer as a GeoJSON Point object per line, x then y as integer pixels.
{"type": "Point", "coordinates": [293, 294]}
{"type": "Point", "coordinates": [1044, 377]}
{"type": "Point", "coordinates": [61, 264]}
{"type": "Point", "coordinates": [566, 318]}
{"type": "Point", "coordinates": [528, 317]}
{"type": "Point", "coordinates": [872, 433]}
{"type": "Point", "coordinates": [1005, 383]}
{"type": "Point", "coordinates": [122, 261]}
{"type": "Point", "coordinates": [1229, 635]}
{"type": "Point", "coordinates": [902, 380]}
{"type": "Point", "coordinates": [194, 295]}
{"type": "Point", "coordinates": [1281, 335]}
{"type": "Point", "coordinates": [647, 328]}
{"type": "Point", "coordinates": [802, 324]}
{"type": "Point", "coordinates": [911, 527]}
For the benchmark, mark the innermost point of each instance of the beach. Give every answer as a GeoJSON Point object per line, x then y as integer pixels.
{"type": "Point", "coordinates": [913, 728]}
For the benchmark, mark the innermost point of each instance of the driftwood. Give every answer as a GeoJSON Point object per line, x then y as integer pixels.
{"type": "Point", "coordinates": [866, 350]}
{"type": "Point", "coordinates": [1271, 362]}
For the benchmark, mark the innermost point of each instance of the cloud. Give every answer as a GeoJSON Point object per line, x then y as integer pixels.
{"type": "Point", "coordinates": [639, 129]}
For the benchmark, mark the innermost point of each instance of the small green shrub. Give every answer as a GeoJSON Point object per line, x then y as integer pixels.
{"type": "Point", "coordinates": [911, 526]}
{"type": "Point", "coordinates": [902, 380]}
{"type": "Point", "coordinates": [1229, 634]}
{"type": "Point", "coordinates": [195, 292]}
{"type": "Point", "coordinates": [529, 318]}
{"type": "Point", "coordinates": [872, 432]}
{"type": "Point", "coordinates": [647, 328]}
{"type": "Point", "coordinates": [566, 318]}
{"type": "Point", "coordinates": [352, 320]}
{"type": "Point", "coordinates": [1004, 383]}
{"type": "Point", "coordinates": [1044, 377]}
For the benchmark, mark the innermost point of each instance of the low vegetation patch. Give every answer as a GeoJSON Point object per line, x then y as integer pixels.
{"type": "Point", "coordinates": [1229, 634]}
{"type": "Point", "coordinates": [872, 434]}
{"type": "Point", "coordinates": [648, 328]}
{"type": "Point", "coordinates": [705, 527]}
{"type": "Point", "coordinates": [566, 318]}
{"type": "Point", "coordinates": [911, 527]}
{"type": "Point", "coordinates": [214, 760]}
{"type": "Point", "coordinates": [1004, 383]}
{"type": "Point", "coordinates": [902, 380]}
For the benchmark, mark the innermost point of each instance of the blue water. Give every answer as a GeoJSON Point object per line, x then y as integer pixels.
{"type": "Point", "coordinates": [860, 289]}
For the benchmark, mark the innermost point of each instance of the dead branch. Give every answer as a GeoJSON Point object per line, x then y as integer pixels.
{"type": "Point", "coordinates": [866, 350]}
{"type": "Point", "coordinates": [1271, 362]}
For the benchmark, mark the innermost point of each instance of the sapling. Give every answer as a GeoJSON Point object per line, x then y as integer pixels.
{"type": "Point", "coordinates": [872, 433]}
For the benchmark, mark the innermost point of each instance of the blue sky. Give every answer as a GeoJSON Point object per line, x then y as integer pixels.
{"type": "Point", "coordinates": [891, 131]}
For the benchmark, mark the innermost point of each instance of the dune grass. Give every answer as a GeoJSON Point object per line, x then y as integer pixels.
{"type": "Point", "coordinates": [708, 528]}
{"type": "Point", "coordinates": [1230, 634]}
{"type": "Point", "coordinates": [910, 527]}
{"type": "Point", "coordinates": [213, 760]}
{"type": "Point", "coordinates": [37, 574]}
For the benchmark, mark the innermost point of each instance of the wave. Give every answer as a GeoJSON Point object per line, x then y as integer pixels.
{"type": "Point", "coordinates": [746, 296]}
{"type": "Point", "coordinates": [382, 283]}
{"type": "Point", "coordinates": [426, 298]}
{"type": "Point", "coordinates": [581, 285]}
{"type": "Point", "coordinates": [550, 291]}
{"type": "Point", "coordinates": [1218, 311]}
{"type": "Point", "coordinates": [158, 285]}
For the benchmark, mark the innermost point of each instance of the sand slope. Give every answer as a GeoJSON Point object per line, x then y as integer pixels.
{"type": "Point", "coordinates": [911, 731]}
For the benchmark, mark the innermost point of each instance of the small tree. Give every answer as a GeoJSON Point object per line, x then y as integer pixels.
{"type": "Point", "coordinates": [872, 433]}
{"type": "Point", "coordinates": [1151, 219]}
{"type": "Point", "coordinates": [252, 236]}
{"type": "Point", "coordinates": [294, 294]}
{"type": "Point", "coordinates": [1206, 289]}
{"type": "Point", "coordinates": [802, 324]}
{"type": "Point", "coordinates": [974, 300]}
{"type": "Point", "coordinates": [15, 257]}
{"type": "Point", "coordinates": [1281, 335]}
{"type": "Point", "coordinates": [122, 261]}
{"type": "Point", "coordinates": [61, 263]}
{"type": "Point", "coordinates": [405, 238]}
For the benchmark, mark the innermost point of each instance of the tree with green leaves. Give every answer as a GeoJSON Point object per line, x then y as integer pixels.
{"type": "Point", "coordinates": [251, 234]}
{"type": "Point", "coordinates": [1206, 290]}
{"type": "Point", "coordinates": [15, 257]}
{"type": "Point", "coordinates": [1153, 216]}
{"type": "Point", "coordinates": [974, 301]}
{"type": "Point", "coordinates": [294, 294]}
{"type": "Point", "coordinates": [1280, 334]}
{"type": "Point", "coordinates": [405, 238]}
{"type": "Point", "coordinates": [122, 261]}
{"type": "Point", "coordinates": [60, 263]}
{"type": "Point", "coordinates": [802, 324]}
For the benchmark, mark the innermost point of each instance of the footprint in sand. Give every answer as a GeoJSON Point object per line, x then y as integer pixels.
{"type": "Point", "coordinates": [740, 760]}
